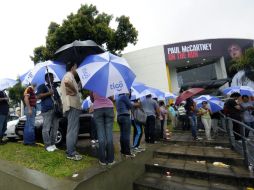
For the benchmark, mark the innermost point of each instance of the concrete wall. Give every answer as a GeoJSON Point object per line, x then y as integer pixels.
{"type": "Point", "coordinates": [149, 66]}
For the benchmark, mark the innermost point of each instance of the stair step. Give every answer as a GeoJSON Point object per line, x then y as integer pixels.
{"type": "Point", "coordinates": [186, 139]}
{"type": "Point", "coordinates": [209, 154]}
{"type": "Point", "coordinates": [155, 181]}
{"type": "Point", "coordinates": [233, 175]}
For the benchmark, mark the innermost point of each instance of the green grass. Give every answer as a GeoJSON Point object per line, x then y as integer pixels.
{"type": "Point", "coordinates": [116, 127]}
{"type": "Point", "coordinates": [52, 163]}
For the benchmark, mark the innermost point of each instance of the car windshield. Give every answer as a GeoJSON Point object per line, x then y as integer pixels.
{"type": "Point", "coordinates": [12, 117]}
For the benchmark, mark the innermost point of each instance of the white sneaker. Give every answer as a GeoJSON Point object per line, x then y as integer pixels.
{"type": "Point", "coordinates": [50, 149]}
{"type": "Point", "coordinates": [93, 141]}
{"type": "Point", "coordinates": [54, 147]}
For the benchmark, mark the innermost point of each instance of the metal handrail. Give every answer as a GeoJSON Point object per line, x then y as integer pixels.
{"type": "Point", "coordinates": [244, 146]}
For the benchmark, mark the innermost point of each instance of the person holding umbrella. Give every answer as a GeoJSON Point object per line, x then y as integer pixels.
{"type": "Point", "coordinates": [49, 96]}
{"type": "Point", "coordinates": [4, 110]}
{"type": "Point", "coordinates": [72, 108]}
{"type": "Point", "coordinates": [205, 114]}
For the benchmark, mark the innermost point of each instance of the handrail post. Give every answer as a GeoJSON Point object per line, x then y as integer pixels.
{"type": "Point", "coordinates": [244, 144]}
{"type": "Point", "coordinates": [228, 131]}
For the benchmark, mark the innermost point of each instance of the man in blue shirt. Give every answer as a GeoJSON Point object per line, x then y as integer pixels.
{"type": "Point", "coordinates": [123, 107]}
{"type": "Point", "coordinates": [4, 110]}
{"type": "Point", "coordinates": [49, 97]}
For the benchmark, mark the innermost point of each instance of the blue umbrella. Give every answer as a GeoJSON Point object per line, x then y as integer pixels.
{"type": "Point", "coordinates": [86, 104]}
{"type": "Point", "coordinates": [243, 90]}
{"type": "Point", "coordinates": [169, 95]}
{"type": "Point", "coordinates": [137, 89]}
{"type": "Point", "coordinates": [214, 103]}
{"type": "Point", "coordinates": [36, 75]}
{"type": "Point", "coordinates": [106, 74]}
{"type": "Point", "coordinates": [7, 83]}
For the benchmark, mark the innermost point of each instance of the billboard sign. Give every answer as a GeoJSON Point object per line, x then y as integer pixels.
{"type": "Point", "coordinates": [228, 48]}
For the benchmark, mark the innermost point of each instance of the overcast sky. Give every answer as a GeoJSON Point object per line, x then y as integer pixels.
{"type": "Point", "coordinates": [24, 23]}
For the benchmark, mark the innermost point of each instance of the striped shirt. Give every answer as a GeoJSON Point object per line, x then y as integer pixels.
{"type": "Point", "coordinates": [29, 91]}
{"type": "Point", "coordinates": [181, 110]}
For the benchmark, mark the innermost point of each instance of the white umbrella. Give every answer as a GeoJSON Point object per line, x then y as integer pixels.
{"type": "Point", "coordinates": [7, 83]}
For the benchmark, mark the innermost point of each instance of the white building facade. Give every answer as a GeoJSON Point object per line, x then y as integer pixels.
{"type": "Point", "coordinates": [172, 66]}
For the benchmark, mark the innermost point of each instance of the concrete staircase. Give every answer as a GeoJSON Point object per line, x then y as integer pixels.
{"type": "Point", "coordinates": [181, 163]}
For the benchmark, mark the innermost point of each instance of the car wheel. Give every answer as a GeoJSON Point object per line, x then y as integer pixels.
{"type": "Point", "coordinates": [60, 136]}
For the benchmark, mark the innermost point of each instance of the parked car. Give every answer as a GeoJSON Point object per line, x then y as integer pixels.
{"type": "Point", "coordinates": [85, 127]}
{"type": "Point", "coordinates": [11, 124]}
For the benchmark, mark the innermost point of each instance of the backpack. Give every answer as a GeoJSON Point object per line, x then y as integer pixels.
{"type": "Point", "coordinates": [139, 116]}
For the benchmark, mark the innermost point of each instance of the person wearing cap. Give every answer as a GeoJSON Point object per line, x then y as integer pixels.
{"type": "Point", "coordinates": [72, 109]}
{"type": "Point", "coordinates": [49, 96]}
{"type": "Point", "coordinates": [30, 112]}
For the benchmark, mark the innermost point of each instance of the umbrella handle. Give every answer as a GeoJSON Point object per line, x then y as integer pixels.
{"type": "Point", "coordinates": [50, 84]}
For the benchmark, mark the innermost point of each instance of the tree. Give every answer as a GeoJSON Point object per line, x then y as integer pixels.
{"type": "Point", "coordinates": [86, 24]}
{"type": "Point", "coordinates": [246, 61]}
{"type": "Point", "coordinates": [16, 93]}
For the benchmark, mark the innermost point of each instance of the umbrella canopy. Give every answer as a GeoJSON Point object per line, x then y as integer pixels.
{"type": "Point", "coordinates": [243, 90]}
{"type": "Point", "coordinates": [36, 75]}
{"type": "Point", "coordinates": [136, 90]}
{"type": "Point", "coordinates": [214, 103]}
{"type": "Point", "coordinates": [106, 74]}
{"type": "Point", "coordinates": [7, 83]}
{"type": "Point", "coordinates": [86, 103]}
{"type": "Point", "coordinates": [77, 51]}
{"type": "Point", "coordinates": [187, 94]}
{"type": "Point", "coordinates": [169, 95]}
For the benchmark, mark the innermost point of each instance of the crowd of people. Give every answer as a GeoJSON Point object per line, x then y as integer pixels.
{"type": "Point", "coordinates": [129, 112]}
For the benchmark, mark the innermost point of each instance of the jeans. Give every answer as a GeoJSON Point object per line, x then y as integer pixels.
{"type": "Point", "coordinates": [124, 122]}
{"type": "Point", "coordinates": [247, 131]}
{"type": "Point", "coordinates": [104, 119]}
{"type": "Point", "coordinates": [3, 125]}
{"type": "Point", "coordinates": [72, 130]}
{"type": "Point", "coordinates": [93, 131]}
{"type": "Point", "coordinates": [50, 126]}
{"type": "Point", "coordinates": [193, 123]}
{"type": "Point", "coordinates": [29, 133]}
{"type": "Point", "coordinates": [137, 135]}
{"type": "Point", "coordinates": [150, 129]}
{"type": "Point", "coordinates": [162, 128]}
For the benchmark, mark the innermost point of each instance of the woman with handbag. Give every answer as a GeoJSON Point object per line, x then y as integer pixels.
{"type": "Point", "coordinates": [205, 114]}
{"type": "Point", "coordinates": [138, 128]}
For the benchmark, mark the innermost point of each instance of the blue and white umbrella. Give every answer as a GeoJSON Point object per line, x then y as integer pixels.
{"type": "Point", "coordinates": [243, 90]}
{"type": "Point", "coordinates": [37, 74]}
{"type": "Point", "coordinates": [213, 102]}
{"type": "Point", "coordinates": [169, 95]}
{"type": "Point", "coordinates": [7, 83]}
{"type": "Point", "coordinates": [106, 74]}
{"type": "Point", "coordinates": [137, 89]}
{"type": "Point", "coordinates": [86, 104]}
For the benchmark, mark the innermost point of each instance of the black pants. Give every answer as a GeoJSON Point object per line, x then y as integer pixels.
{"type": "Point", "coordinates": [184, 121]}
{"type": "Point", "coordinates": [150, 129]}
{"type": "Point", "coordinates": [236, 126]}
